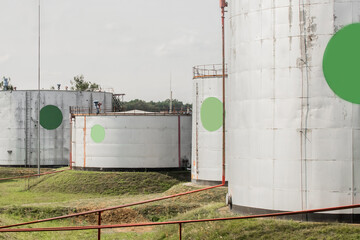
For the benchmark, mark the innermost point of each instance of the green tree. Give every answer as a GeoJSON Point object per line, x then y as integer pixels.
{"type": "Point", "coordinates": [156, 106]}
{"type": "Point", "coordinates": [9, 88]}
{"type": "Point", "coordinates": [80, 84]}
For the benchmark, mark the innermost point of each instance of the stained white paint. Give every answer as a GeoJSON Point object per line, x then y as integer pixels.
{"type": "Point", "coordinates": [206, 145]}
{"type": "Point", "coordinates": [131, 141]}
{"type": "Point", "coordinates": [18, 132]}
{"type": "Point", "coordinates": [291, 143]}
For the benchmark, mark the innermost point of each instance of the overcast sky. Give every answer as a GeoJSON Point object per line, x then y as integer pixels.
{"type": "Point", "coordinates": [131, 46]}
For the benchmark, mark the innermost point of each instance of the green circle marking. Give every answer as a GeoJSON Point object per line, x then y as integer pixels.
{"type": "Point", "coordinates": [98, 133]}
{"type": "Point", "coordinates": [211, 114]}
{"type": "Point", "coordinates": [50, 117]}
{"type": "Point", "coordinates": [341, 63]}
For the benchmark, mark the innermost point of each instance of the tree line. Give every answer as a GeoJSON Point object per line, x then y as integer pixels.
{"type": "Point", "coordinates": [152, 106]}
{"type": "Point", "coordinates": [80, 84]}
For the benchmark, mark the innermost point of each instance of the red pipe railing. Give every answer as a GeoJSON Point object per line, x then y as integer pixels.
{"type": "Point", "coordinates": [110, 208]}
{"type": "Point", "coordinates": [179, 222]}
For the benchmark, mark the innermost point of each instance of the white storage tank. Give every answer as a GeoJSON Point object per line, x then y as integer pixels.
{"type": "Point", "coordinates": [19, 119]}
{"type": "Point", "coordinates": [292, 143]}
{"type": "Point", "coordinates": [123, 141]}
{"type": "Point", "coordinates": [207, 124]}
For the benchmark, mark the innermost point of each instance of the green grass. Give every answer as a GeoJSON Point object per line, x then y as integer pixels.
{"type": "Point", "coordinates": [76, 235]}
{"type": "Point", "coordinates": [105, 183]}
{"type": "Point", "coordinates": [162, 211]}
{"type": "Point", "coordinates": [246, 229]}
{"type": "Point", "coordinates": [16, 192]}
{"type": "Point", "coordinates": [75, 191]}
{"type": "Point", "coordinates": [35, 212]}
{"type": "Point", "coordinates": [6, 172]}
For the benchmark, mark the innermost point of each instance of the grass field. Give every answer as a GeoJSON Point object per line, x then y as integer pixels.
{"type": "Point", "coordinates": [75, 191]}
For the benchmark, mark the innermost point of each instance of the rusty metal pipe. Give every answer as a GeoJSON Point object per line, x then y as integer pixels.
{"type": "Point", "coordinates": [179, 141]}
{"type": "Point", "coordinates": [178, 222]}
{"type": "Point", "coordinates": [110, 208]}
{"type": "Point", "coordinates": [99, 224]}
{"type": "Point", "coordinates": [70, 147]}
{"type": "Point", "coordinates": [223, 4]}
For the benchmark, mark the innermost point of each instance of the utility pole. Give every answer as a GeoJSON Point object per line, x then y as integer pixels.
{"type": "Point", "coordinates": [170, 109]}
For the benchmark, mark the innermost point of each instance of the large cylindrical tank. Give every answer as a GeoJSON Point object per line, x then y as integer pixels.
{"type": "Point", "coordinates": [19, 119]}
{"type": "Point", "coordinates": [131, 141]}
{"type": "Point", "coordinates": [292, 144]}
{"type": "Point", "coordinates": [206, 138]}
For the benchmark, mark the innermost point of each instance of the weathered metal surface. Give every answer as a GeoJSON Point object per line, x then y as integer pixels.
{"type": "Point", "coordinates": [18, 135]}
{"type": "Point", "coordinates": [131, 141]}
{"type": "Point", "coordinates": [292, 144]}
{"type": "Point", "coordinates": [206, 145]}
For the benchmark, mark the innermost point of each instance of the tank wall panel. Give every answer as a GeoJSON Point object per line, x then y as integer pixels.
{"type": "Point", "coordinates": [288, 135]}
{"type": "Point", "coordinates": [206, 145]}
{"type": "Point", "coordinates": [132, 141]}
{"type": "Point", "coordinates": [20, 132]}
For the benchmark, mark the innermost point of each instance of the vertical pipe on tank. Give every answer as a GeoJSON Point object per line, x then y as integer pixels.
{"type": "Point", "coordinates": [73, 144]}
{"type": "Point", "coordinates": [352, 178]}
{"type": "Point", "coordinates": [84, 141]}
{"type": "Point", "coordinates": [104, 104]}
{"type": "Point", "coordinates": [179, 141]}
{"type": "Point", "coordinates": [70, 147]}
{"type": "Point", "coordinates": [223, 4]}
{"type": "Point", "coordinates": [91, 103]}
{"type": "Point", "coordinates": [197, 132]}
{"type": "Point", "coordinates": [38, 155]}
{"type": "Point", "coordinates": [26, 130]}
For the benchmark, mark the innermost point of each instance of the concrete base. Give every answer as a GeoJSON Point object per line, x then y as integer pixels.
{"type": "Point", "coordinates": [129, 169]}
{"type": "Point", "coordinates": [207, 182]}
{"type": "Point", "coordinates": [34, 166]}
{"type": "Point", "coordinates": [312, 217]}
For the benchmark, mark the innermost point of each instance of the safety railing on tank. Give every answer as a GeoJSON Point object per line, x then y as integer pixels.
{"type": "Point", "coordinates": [88, 110]}
{"type": "Point", "coordinates": [77, 111]}
{"type": "Point", "coordinates": [208, 71]}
